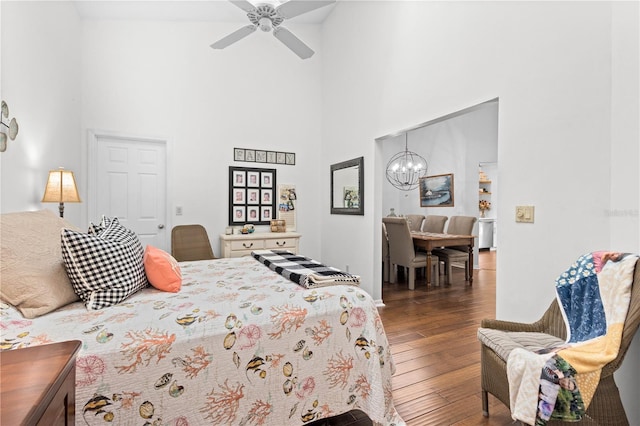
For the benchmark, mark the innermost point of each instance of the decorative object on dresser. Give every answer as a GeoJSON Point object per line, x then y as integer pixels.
{"type": "Point", "coordinates": [243, 245]}
{"type": "Point", "coordinates": [262, 156]}
{"type": "Point", "coordinates": [252, 196]}
{"type": "Point", "coordinates": [437, 191]}
{"type": "Point", "coordinates": [38, 384]}
{"type": "Point", "coordinates": [278, 225]}
{"type": "Point", "coordinates": [61, 188]}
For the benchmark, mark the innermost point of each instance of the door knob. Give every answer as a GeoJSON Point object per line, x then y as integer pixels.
{"type": "Point", "coordinates": [161, 226]}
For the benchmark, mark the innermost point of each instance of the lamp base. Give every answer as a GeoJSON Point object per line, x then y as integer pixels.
{"type": "Point", "coordinates": [61, 209]}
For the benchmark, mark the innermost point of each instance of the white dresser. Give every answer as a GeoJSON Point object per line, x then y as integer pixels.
{"type": "Point", "coordinates": [244, 244]}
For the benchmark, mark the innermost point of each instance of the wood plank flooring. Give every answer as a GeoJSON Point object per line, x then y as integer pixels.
{"type": "Point", "coordinates": [432, 332]}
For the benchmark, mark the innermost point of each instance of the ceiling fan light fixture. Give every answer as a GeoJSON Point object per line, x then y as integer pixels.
{"type": "Point", "coordinates": [269, 16]}
{"type": "Point", "coordinates": [265, 24]}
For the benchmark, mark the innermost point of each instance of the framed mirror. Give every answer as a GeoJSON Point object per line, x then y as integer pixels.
{"type": "Point", "coordinates": [347, 187]}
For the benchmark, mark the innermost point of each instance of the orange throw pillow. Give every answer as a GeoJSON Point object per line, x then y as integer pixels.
{"type": "Point", "coordinates": [163, 271]}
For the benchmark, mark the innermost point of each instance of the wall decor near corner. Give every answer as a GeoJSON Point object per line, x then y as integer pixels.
{"type": "Point", "coordinates": [263, 156]}
{"type": "Point", "coordinates": [436, 191]}
{"type": "Point", "coordinates": [287, 201]}
{"type": "Point", "coordinates": [252, 196]}
{"type": "Point", "coordinates": [347, 187]}
{"type": "Point", "coordinates": [6, 130]}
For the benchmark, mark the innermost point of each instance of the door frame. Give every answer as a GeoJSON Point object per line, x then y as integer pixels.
{"type": "Point", "coordinates": [93, 136]}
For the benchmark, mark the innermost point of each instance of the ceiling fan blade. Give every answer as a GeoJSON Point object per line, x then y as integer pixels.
{"type": "Point", "coordinates": [244, 5]}
{"type": "Point", "coordinates": [293, 42]}
{"type": "Point", "coordinates": [294, 8]}
{"type": "Point", "coordinates": [233, 37]}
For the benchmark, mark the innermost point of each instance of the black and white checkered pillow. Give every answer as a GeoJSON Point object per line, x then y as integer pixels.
{"type": "Point", "coordinates": [104, 223]}
{"type": "Point", "coordinates": [104, 268]}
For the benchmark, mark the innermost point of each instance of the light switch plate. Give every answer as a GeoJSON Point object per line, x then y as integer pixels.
{"type": "Point", "coordinates": [524, 214]}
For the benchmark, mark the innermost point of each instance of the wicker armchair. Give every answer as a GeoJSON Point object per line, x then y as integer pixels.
{"type": "Point", "coordinates": [190, 242]}
{"type": "Point", "coordinates": [606, 407]}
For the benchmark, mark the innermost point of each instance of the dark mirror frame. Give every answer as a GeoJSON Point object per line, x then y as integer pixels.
{"type": "Point", "coordinates": [356, 162]}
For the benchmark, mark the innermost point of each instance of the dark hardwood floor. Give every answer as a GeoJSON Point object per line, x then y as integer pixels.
{"type": "Point", "coordinates": [432, 332]}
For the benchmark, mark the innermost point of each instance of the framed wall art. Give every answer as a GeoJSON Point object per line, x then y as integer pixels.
{"type": "Point", "coordinates": [264, 156]}
{"type": "Point", "coordinates": [251, 196]}
{"type": "Point", "coordinates": [436, 191]}
{"type": "Point", "coordinates": [347, 187]}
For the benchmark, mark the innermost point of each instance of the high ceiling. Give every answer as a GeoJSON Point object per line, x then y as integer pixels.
{"type": "Point", "coordinates": [198, 10]}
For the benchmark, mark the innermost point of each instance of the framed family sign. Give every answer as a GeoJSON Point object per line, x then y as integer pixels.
{"type": "Point", "coordinates": [252, 196]}
{"type": "Point", "coordinates": [263, 156]}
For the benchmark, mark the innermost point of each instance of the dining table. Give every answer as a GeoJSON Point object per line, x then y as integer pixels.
{"type": "Point", "coordinates": [430, 240]}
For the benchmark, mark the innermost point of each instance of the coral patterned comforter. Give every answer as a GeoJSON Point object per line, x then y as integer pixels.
{"type": "Point", "coordinates": [238, 345]}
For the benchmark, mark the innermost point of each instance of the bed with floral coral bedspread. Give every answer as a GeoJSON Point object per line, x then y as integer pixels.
{"type": "Point", "coordinates": [239, 344]}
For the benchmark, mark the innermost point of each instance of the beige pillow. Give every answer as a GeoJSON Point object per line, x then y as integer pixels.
{"type": "Point", "coordinates": [32, 274]}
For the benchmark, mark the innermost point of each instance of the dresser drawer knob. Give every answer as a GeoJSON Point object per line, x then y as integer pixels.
{"type": "Point", "coordinates": [280, 244]}
{"type": "Point", "coordinates": [247, 246]}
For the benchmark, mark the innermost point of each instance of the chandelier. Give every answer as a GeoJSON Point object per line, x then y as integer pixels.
{"type": "Point", "coordinates": [405, 169]}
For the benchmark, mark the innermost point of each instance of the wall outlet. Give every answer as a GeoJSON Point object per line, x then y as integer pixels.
{"type": "Point", "coordinates": [524, 214]}
{"type": "Point", "coordinates": [178, 210]}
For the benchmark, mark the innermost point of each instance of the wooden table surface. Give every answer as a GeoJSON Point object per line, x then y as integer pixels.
{"type": "Point", "coordinates": [429, 240]}
{"type": "Point", "coordinates": [30, 378]}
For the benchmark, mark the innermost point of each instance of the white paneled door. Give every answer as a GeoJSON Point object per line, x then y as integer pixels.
{"type": "Point", "coordinates": [129, 182]}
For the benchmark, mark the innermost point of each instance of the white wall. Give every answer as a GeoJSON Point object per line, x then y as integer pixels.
{"type": "Point", "coordinates": [550, 64]}
{"type": "Point", "coordinates": [40, 83]}
{"type": "Point", "coordinates": [162, 79]}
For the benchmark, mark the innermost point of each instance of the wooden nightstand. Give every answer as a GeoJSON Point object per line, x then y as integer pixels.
{"type": "Point", "coordinates": [38, 384]}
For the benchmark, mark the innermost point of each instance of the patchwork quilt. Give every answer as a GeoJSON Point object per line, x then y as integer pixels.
{"type": "Point", "coordinates": [238, 345]}
{"type": "Point", "coordinates": [307, 272]}
{"type": "Point", "coordinates": [559, 383]}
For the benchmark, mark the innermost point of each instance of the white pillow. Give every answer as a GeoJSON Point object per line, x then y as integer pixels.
{"type": "Point", "coordinates": [104, 268]}
{"type": "Point", "coordinates": [32, 274]}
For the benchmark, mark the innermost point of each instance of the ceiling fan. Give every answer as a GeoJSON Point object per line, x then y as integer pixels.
{"type": "Point", "coordinates": [267, 17]}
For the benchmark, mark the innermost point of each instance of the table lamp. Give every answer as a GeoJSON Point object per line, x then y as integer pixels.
{"type": "Point", "coordinates": [61, 188]}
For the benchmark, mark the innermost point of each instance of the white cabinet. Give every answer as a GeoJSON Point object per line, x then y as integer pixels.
{"type": "Point", "coordinates": [244, 244]}
{"type": "Point", "coordinates": [485, 233]}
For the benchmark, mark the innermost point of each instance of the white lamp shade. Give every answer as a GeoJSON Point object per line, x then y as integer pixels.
{"type": "Point", "coordinates": [61, 187]}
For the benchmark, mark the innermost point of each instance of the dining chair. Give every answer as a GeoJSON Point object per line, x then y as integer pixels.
{"type": "Point", "coordinates": [415, 221]}
{"type": "Point", "coordinates": [453, 256]}
{"type": "Point", "coordinates": [402, 252]}
{"type": "Point", "coordinates": [190, 242]}
{"type": "Point", "coordinates": [385, 255]}
{"type": "Point", "coordinates": [434, 223]}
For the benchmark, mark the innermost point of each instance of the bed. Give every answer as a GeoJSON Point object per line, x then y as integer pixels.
{"type": "Point", "coordinates": [238, 344]}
